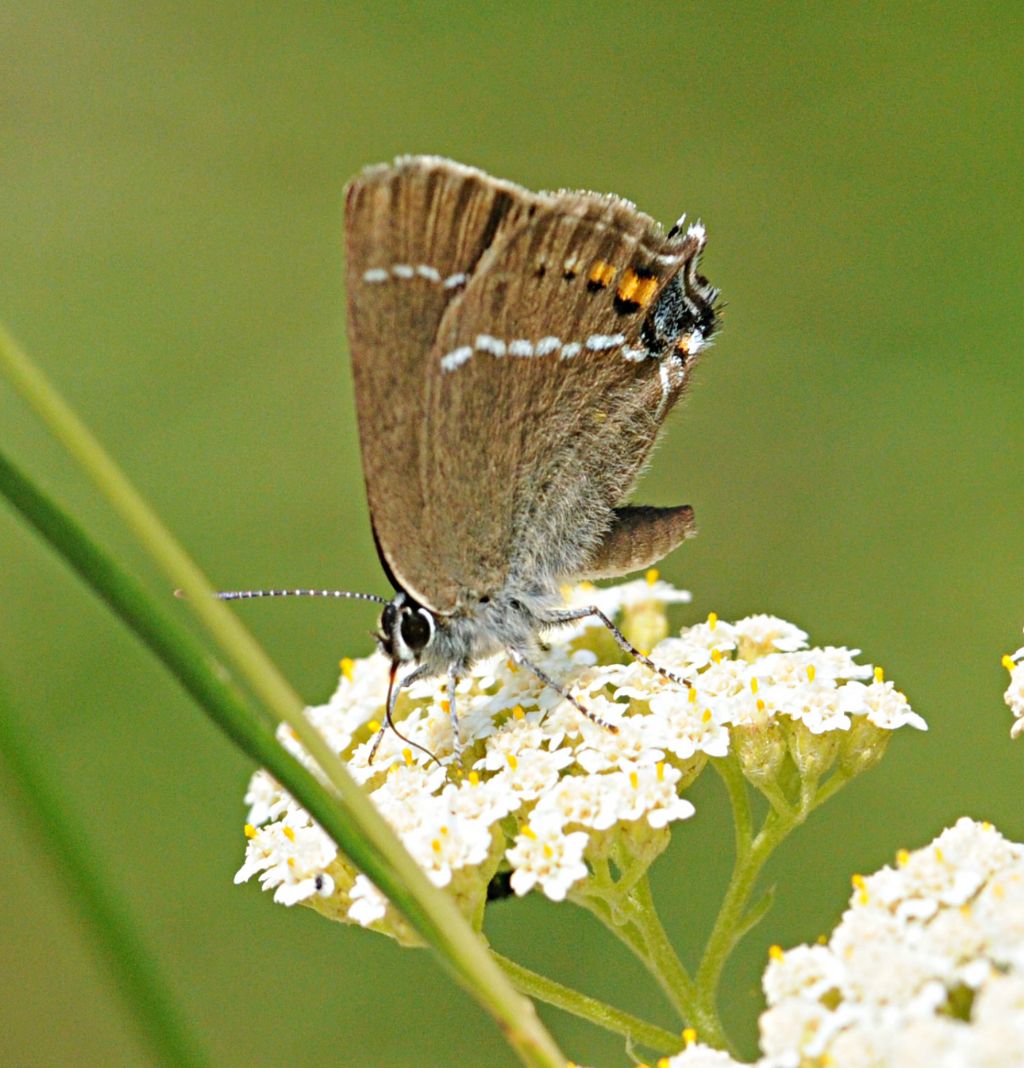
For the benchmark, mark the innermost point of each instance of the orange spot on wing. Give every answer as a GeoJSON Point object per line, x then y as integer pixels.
{"type": "Point", "coordinates": [601, 273]}
{"type": "Point", "coordinates": [628, 285]}
{"type": "Point", "coordinates": [645, 291]}
{"type": "Point", "coordinates": [637, 289]}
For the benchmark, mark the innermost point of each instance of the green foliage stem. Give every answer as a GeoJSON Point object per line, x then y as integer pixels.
{"type": "Point", "coordinates": [597, 1012]}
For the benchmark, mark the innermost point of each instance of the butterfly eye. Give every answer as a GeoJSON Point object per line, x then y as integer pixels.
{"type": "Point", "coordinates": [417, 628]}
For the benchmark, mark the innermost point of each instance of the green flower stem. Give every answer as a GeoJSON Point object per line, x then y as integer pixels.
{"type": "Point", "coordinates": [604, 906]}
{"type": "Point", "coordinates": [776, 798]}
{"type": "Point", "coordinates": [736, 917]}
{"type": "Point", "coordinates": [628, 911]}
{"type": "Point", "coordinates": [731, 774]}
{"type": "Point", "coordinates": [161, 1022]}
{"type": "Point", "coordinates": [356, 825]}
{"type": "Point", "coordinates": [634, 921]}
{"type": "Point", "coordinates": [596, 1012]}
{"type": "Point", "coordinates": [730, 923]}
{"type": "Point", "coordinates": [661, 953]}
{"type": "Point", "coordinates": [664, 964]}
{"type": "Point", "coordinates": [833, 784]}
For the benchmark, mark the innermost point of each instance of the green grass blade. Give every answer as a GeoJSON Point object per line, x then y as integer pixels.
{"type": "Point", "coordinates": [353, 821]}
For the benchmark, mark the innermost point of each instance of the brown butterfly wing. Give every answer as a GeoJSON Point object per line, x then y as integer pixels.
{"type": "Point", "coordinates": [499, 449]}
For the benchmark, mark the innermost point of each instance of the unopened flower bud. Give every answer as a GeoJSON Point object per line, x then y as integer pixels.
{"type": "Point", "coordinates": [863, 746]}
{"type": "Point", "coordinates": [645, 622]}
{"type": "Point", "coordinates": [761, 749]}
{"type": "Point", "coordinates": [812, 753]}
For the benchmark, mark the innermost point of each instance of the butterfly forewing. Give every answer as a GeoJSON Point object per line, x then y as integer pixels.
{"type": "Point", "coordinates": [414, 232]}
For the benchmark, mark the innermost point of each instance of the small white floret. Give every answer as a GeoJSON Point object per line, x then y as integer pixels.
{"type": "Point", "coordinates": [545, 856]}
{"type": "Point", "coordinates": [265, 798]}
{"type": "Point", "coordinates": [368, 904]}
{"type": "Point", "coordinates": [763, 634]}
{"type": "Point", "coordinates": [290, 859]}
{"type": "Point", "coordinates": [1014, 695]}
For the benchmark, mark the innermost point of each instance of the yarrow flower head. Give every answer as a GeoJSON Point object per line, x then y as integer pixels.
{"type": "Point", "coordinates": [926, 967]}
{"type": "Point", "coordinates": [545, 797]}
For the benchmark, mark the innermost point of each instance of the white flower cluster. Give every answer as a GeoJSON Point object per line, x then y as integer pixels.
{"type": "Point", "coordinates": [925, 969]}
{"type": "Point", "coordinates": [1014, 663]}
{"type": "Point", "coordinates": [541, 792]}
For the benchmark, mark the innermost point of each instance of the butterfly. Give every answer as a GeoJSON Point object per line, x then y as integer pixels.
{"type": "Point", "coordinates": [514, 355]}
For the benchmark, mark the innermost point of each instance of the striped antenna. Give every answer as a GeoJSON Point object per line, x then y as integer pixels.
{"type": "Point", "coordinates": [244, 595]}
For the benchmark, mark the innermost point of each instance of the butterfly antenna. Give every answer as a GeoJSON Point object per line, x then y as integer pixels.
{"type": "Point", "coordinates": [245, 595]}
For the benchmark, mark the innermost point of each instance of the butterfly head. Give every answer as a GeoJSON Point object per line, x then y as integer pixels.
{"type": "Point", "coordinates": [406, 629]}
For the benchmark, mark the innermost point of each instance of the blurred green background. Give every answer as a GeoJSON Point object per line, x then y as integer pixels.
{"type": "Point", "coordinates": [170, 241]}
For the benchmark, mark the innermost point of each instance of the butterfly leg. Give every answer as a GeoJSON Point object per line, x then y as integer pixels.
{"type": "Point", "coordinates": [378, 738]}
{"type": "Point", "coordinates": [573, 614]}
{"type": "Point", "coordinates": [548, 681]}
{"type": "Point", "coordinates": [453, 680]}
